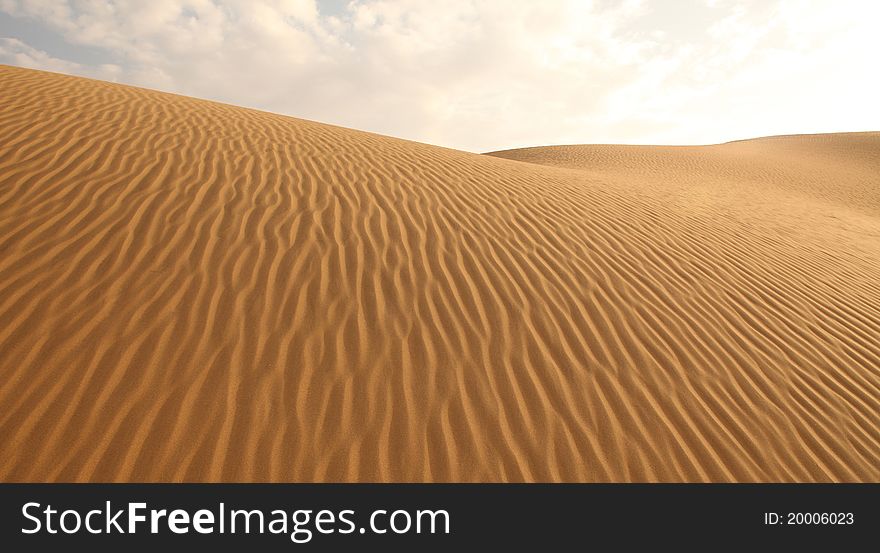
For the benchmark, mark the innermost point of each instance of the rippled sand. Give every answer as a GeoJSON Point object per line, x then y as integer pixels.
{"type": "Point", "coordinates": [192, 291]}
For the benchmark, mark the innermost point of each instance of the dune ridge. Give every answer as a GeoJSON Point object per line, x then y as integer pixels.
{"type": "Point", "coordinates": [191, 291]}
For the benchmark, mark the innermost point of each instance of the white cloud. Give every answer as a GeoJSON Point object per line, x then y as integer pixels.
{"type": "Point", "coordinates": [16, 52]}
{"type": "Point", "coordinates": [484, 75]}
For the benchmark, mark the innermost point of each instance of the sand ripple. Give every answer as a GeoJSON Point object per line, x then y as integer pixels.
{"type": "Point", "coordinates": [191, 291]}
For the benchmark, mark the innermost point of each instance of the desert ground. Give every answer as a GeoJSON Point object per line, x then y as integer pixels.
{"type": "Point", "coordinates": [192, 291]}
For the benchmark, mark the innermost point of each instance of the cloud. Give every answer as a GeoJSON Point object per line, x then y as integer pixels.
{"type": "Point", "coordinates": [491, 74]}
{"type": "Point", "coordinates": [16, 52]}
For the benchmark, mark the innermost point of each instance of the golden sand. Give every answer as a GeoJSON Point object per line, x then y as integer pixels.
{"type": "Point", "coordinates": [191, 291]}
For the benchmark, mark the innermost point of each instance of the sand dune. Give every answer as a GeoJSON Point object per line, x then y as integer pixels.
{"type": "Point", "coordinates": [191, 291]}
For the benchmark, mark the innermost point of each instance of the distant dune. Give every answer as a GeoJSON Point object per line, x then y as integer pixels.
{"type": "Point", "coordinates": [192, 291]}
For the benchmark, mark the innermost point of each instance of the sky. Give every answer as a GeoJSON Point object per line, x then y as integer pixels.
{"type": "Point", "coordinates": [484, 75]}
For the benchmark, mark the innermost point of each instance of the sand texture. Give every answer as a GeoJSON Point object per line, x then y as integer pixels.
{"type": "Point", "coordinates": [192, 291]}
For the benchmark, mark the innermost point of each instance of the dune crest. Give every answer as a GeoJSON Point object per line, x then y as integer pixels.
{"type": "Point", "coordinates": [191, 291]}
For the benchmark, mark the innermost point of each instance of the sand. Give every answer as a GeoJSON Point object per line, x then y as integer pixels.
{"type": "Point", "coordinates": [191, 291]}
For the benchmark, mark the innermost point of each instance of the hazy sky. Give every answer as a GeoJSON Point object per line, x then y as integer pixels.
{"type": "Point", "coordinates": [484, 75]}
